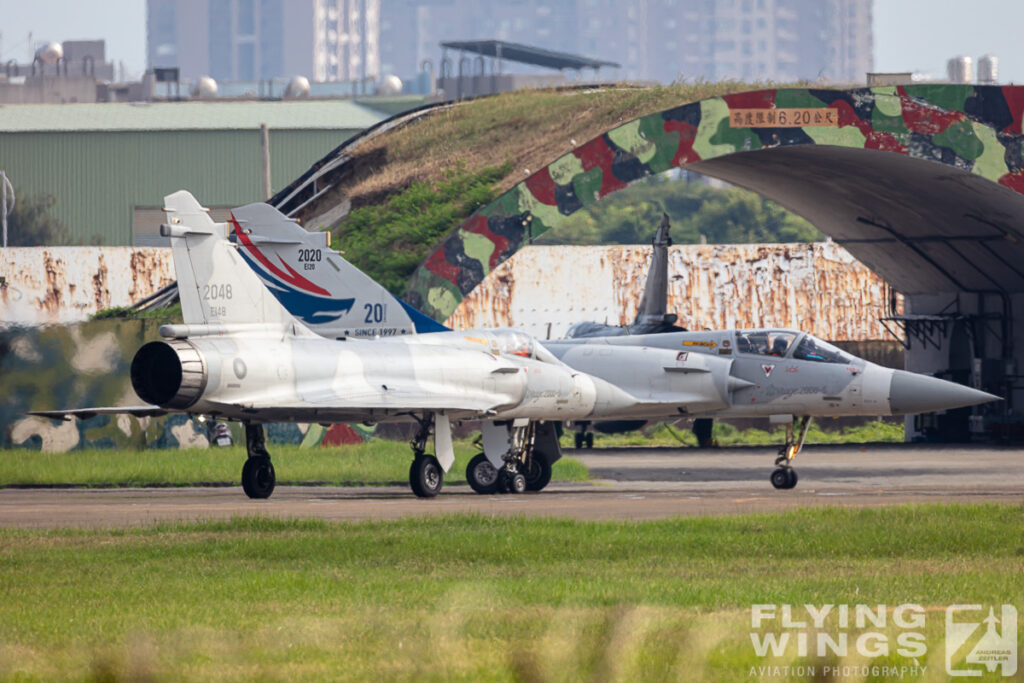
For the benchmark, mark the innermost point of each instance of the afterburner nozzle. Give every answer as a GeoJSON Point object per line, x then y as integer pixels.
{"type": "Point", "coordinates": [913, 393]}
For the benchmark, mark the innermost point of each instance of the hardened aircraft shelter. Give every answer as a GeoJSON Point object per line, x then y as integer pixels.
{"type": "Point", "coordinates": [922, 183]}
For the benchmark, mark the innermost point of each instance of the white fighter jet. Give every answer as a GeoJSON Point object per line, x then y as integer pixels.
{"type": "Point", "coordinates": [240, 355]}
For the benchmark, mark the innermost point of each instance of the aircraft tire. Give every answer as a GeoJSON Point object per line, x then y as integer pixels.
{"type": "Point", "coordinates": [538, 475]}
{"type": "Point", "coordinates": [258, 477]}
{"type": "Point", "coordinates": [426, 476]}
{"type": "Point", "coordinates": [589, 440]}
{"type": "Point", "coordinates": [517, 483]}
{"type": "Point", "coordinates": [578, 439]}
{"type": "Point", "coordinates": [792, 478]}
{"type": "Point", "coordinates": [780, 478]}
{"type": "Point", "coordinates": [483, 477]}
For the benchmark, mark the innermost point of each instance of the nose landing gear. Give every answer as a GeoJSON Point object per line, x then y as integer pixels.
{"type": "Point", "coordinates": [784, 476]}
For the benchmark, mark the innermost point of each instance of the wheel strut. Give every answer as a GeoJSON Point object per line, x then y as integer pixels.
{"type": "Point", "coordinates": [784, 477]}
{"type": "Point", "coordinates": [426, 476]}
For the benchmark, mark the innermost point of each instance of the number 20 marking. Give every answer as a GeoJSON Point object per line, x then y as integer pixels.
{"type": "Point", "coordinates": [374, 313]}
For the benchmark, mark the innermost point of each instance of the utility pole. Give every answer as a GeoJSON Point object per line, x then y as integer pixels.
{"type": "Point", "coordinates": [6, 201]}
{"type": "Point", "coordinates": [265, 156]}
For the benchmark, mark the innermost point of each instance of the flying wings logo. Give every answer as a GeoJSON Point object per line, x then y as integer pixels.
{"type": "Point", "coordinates": [305, 300]}
{"type": "Point", "coordinates": [973, 642]}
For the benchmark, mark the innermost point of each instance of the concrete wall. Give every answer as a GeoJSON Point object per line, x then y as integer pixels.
{"type": "Point", "coordinates": [817, 287]}
{"type": "Point", "coordinates": [48, 285]}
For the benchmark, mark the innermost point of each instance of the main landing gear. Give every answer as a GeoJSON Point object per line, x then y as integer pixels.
{"type": "Point", "coordinates": [426, 477]}
{"type": "Point", "coordinates": [258, 472]}
{"type": "Point", "coordinates": [784, 476]}
{"type": "Point", "coordinates": [523, 469]}
{"type": "Point", "coordinates": [584, 438]}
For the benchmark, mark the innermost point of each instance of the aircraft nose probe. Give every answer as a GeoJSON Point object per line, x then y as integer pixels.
{"type": "Point", "coordinates": [912, 393]}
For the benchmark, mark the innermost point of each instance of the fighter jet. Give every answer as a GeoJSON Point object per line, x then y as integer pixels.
{"type": "Point", "coordinates": [786, 375]}
{"type": "Point", "coordinates": [239, 355]}
{"type": "Point", "coordinates": [651, 318]}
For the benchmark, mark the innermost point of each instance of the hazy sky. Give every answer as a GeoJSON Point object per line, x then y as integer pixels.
{"type": "Point", "coordinates": [910, 35]}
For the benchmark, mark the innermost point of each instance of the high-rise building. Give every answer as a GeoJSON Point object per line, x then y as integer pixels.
{"type": "Point", "coordinates": [249, 40]}
{"type": "Point", "coordinates": [658, 40]}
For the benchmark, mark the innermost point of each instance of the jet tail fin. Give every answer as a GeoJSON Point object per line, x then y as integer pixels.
{"type": "Point", "coordinates": [654, 299]}
{"type": "Point", "coordinates": [217, 289]}
{"type": "Point", "coordinates": [315, 284]}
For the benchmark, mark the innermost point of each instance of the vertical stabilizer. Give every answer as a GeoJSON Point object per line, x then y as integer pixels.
{"type": "Point", "coordinates": [215, 285]}
{"type": "Point", "coordinates": [319, 287]}
{"type": "Point", "coordinates": [653, 301]}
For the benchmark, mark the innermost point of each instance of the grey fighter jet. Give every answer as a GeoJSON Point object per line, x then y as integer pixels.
{"type": "Point", "coordinates": [652, 317]}
{"type": "Point", "coordinates": [239, 355]}
{"type": "Point", "coordinates": [787, 375]}
{"type": "Point", "coordinates": [782, 374]}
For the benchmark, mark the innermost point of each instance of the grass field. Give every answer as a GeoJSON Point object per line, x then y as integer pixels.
{"type": "Point", "coordinates": [375, 462]}
{"type": "Point", "coordinates": [476, 598]}
{"type": "Point", "coordinates": [662, 434]}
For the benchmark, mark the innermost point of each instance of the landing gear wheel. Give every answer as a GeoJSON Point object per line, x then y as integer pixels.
{"type": "Point", "coordinates": [482, 475]}
{"type": "Point", "coordinates": [258, 477]}
{"type": "Point", "coordinates": [426, 476]}
{"type": "Point", "coordinates": [517, 483]}
{"type": "Point", "coordinates": [538, 474]}
{"type": "Point", "coordinates": [578, 438]}
{"type": "Point", "coordinates": [589, 439]}
{"type": "Point", "coordinates": [784, 478]}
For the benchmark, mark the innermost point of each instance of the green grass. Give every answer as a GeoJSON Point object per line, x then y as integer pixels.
{"type": "Point", "coordinates": [474, 598]}
{"type": "Point", "coordinates": [170, 313]}
{"type": "Point", "coordinates": [388, 241]}
{"type": "Point", "coordinates": [375, 462]}
{"type": "Point", "coordinates": [378, 461]}
{"type": "Point", "coordinates": [662, 434]}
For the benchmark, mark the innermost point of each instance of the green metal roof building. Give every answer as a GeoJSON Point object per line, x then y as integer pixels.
{"type": "Point", "coordinates": [109, 165]}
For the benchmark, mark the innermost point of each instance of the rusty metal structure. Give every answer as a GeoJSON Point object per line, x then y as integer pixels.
{"type": "Point", "coordinates": [60, 285]}
{"type": "Point", "coordinates": [816, 287]}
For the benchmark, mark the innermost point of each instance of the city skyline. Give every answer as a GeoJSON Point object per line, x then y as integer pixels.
{"type": "Point", "coordinates": [909, 35]}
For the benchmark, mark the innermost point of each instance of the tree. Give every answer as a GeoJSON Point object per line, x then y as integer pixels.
{"type": "Point", "coordinates": [721, 215]}
{"type": "Point", "coordinates": [32, 225]}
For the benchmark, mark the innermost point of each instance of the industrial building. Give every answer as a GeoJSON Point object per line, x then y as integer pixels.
{"type": "Point", "coordinates": [109, 165]}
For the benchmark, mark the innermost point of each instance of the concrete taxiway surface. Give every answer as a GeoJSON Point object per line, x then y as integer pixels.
{"type": "Point", "coordinates": [634, 483]}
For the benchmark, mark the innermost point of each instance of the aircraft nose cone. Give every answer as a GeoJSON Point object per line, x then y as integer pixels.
{"type": "Point", "coordinates": [910, 392]}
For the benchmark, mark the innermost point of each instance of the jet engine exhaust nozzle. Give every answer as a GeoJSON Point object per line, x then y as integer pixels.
{"type": "Point", "coordinates": [170, 374]}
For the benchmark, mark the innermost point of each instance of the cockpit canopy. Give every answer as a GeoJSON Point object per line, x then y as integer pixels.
{"type": "Point", "coordinates": [514, 343]}
{"type": "Point", "coordinates": [511, 342]}
{"type": "Point", "coordinates": [791, 344]}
